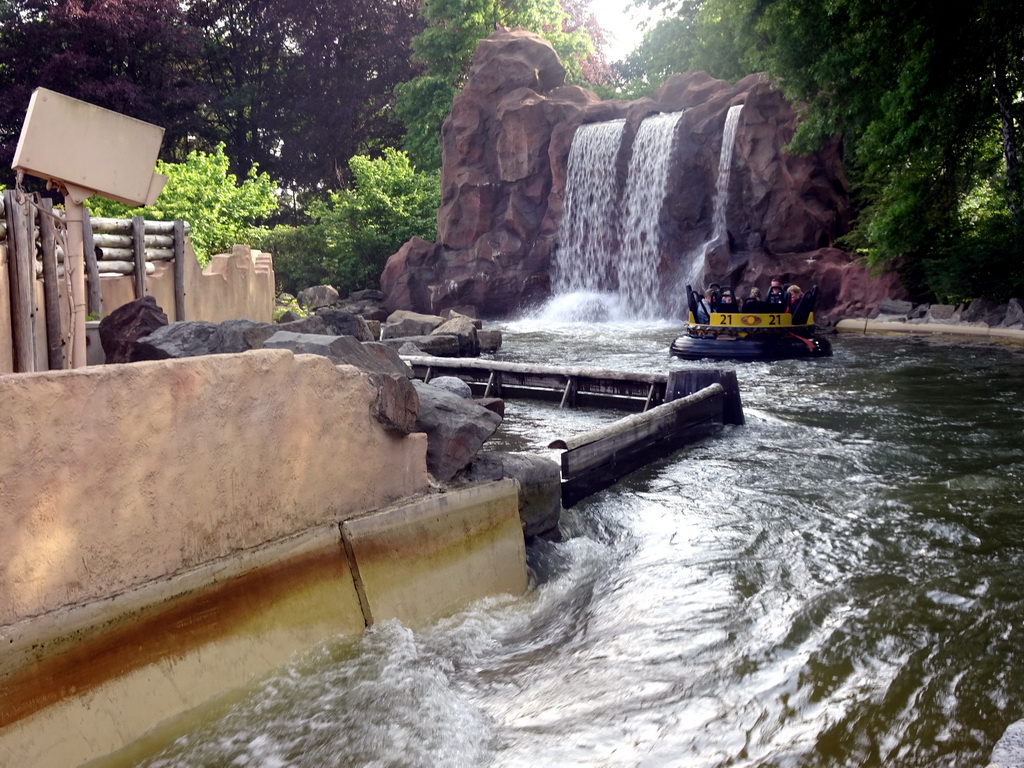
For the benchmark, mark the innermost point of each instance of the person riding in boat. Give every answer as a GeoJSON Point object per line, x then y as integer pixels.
{"type": "Point", "coordinates": [702, 306]}
{"type": "Point", "coordinates": [727, 302]}
{"type": "Point", "coordinates": [713, 293]}
{"type": "Point", "coordinates": [794, 294]}
{"type": "Point", "coordinates": [754, 303]}
{"type": "Point", "coordinates": [776, 296]}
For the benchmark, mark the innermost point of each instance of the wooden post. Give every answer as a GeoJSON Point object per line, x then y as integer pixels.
{"type": "Point", "coordinates": [567, 394]}
{"type": "Point", "coordinates": [139, 253]}
{"type": "Point", "coordinates": [92, 270]}
{"type": "Point", "coordinates": [686, 382]}
{"type": "Point", "coordinates": [179, 271]}
{"type": "Point", "coordinates": [74, 267]}
{"type": "Point", "coordinates": [21, 269]}
{"type": "Point", "coordinates": [51, 290]}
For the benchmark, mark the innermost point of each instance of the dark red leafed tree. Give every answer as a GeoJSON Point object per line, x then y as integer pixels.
{"type": "Point", "coordinates": [138, 57]}
{"type": "Point", "coordinates": [303, 86]}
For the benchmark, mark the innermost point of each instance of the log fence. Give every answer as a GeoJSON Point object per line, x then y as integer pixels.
{"type": "Point", "coordinates": [113, 247]}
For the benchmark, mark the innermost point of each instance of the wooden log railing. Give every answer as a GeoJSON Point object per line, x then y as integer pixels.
{"type": "Point", "coordinates": [113, 247]}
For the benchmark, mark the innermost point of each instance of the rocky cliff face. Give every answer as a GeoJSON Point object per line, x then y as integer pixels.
{"type": "Point", "coordinates": [506, 146]}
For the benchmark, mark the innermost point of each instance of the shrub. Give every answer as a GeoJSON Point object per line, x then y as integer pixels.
{"type": "Point", "coordinates": [355, 230]}
{"type": "Point", "coordinates": [219, 210]}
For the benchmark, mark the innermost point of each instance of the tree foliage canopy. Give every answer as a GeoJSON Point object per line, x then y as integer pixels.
{"type": "Point", "coordinates": [355, 231]}
{"type": "Point", "coordinates": [296, 88]}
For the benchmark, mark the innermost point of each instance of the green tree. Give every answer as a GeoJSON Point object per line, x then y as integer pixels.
{"type": "Point", "coordinates": [301, 86]}
{"type": "Point", "coordinates": [220, 210]}
{"type": "Point", "coordinates": [445, 48]}
{"type": "Point", "coordinates": [355, 231]}
{"type": "Point", "coordinates": [922, 95]}
{"type": "Point", "coordinates": [136, 57]}
{"type": "Point", "coordinates": [926, 98]}
{"type": "Point", "coordinates": [712, 35]}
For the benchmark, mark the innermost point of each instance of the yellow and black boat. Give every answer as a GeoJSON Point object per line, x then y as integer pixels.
{"type": "Point", "coordinates": [758, 335]}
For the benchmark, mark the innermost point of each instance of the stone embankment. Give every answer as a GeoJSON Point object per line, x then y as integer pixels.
{"type": "Point", "coordinates": [981, 319]}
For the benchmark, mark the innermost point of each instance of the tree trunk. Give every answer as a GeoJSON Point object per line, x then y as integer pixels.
{"type": "Point", "coordinates": [1005, 102]}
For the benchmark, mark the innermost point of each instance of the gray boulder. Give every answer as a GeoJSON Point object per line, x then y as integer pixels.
{"type": "Point", "coordinates": [188, 338]}
{"type": "Point", "coordinates": [452, 384]}
{"type": "Point", "coordinates": [438, 346]}
{"type": "Point", "coordinates": [319, 296]}
{"type": "Point", "coordinates": [456, 429]}
{"type": "Point", "coordinates": [540, 487]}
{"type": "Point", "coordinates": [463, 329]}
{"type": "Point", "coordinates": [369, 295]}
{"type": "Point", "coordinates": [1014, 314]}
{"type": "Point", "coordinates": [342, 350]}
{"type": "Point", "coordinates": [978, 310]}
{"type": "Point", "coordinates": [918, 312]}
{"type": "Point", "coordinates": [402, 323]}
{"type": "Point", "coordinates": [342, 323]}
{"type": "Point", "coordinates": [396, 404]}
{"type": "Point", "coordinates": [237, 336]}
{"type": "Point", "coordinates": [122, 328]}
{"type": "Point", "coordinates": [894, 307]}
{"type": "Point", "coordinates": [940, 313]}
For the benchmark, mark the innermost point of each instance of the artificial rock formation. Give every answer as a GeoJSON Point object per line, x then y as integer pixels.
{"type": "Point", "coordinates": [505, 149]}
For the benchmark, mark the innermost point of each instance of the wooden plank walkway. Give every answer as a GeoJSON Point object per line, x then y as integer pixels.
{"type": "Point", "coordinates": [569, 386]}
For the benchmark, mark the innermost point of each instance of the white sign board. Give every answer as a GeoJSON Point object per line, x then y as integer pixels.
{"type": "Point", "coordinates": [81, 145]}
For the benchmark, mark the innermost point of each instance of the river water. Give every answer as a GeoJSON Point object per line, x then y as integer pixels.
{"type": "Point", "coordinates": [839, 582]}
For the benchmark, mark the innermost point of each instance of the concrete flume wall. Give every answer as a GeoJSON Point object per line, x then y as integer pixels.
{"type": "Point", "coordinates": [116, 475]}
{"type": "Point", "coordinates": [170, 530]}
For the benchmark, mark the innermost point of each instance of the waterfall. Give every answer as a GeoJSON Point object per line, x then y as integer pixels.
{"type": "Point", "coordinates": [640, 279]}
{"type": "Point", "coordinates": [695, 260]}
{"type": "Point", "coordinates": [587, 233]}
{"type": "Point", "coordinates": [732, 119]}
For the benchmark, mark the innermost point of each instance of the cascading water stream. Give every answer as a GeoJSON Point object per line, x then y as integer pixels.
{"type": "Point", "coordinates": [608, 243]}
{"type": "Point", "coordinates": [587, 232]}
{"type": "Point", "coordinates": [640, 281]}
{"type": "Point", "coordinates": [695, 260]}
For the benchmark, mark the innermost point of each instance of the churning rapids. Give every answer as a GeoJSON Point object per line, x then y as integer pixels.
{"type": "Point", "coordinates": [837, 583]}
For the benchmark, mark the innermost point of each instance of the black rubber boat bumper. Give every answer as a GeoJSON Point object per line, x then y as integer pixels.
{"type": "Point", "coordinates": [728, 346]}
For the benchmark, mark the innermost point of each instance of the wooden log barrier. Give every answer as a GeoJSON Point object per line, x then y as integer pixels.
{"type": "Point", "coordinates": [21, 262]}
{"type": "Point", "coordinates": [92, 272]}
{"type": "Point", "coordinates": [179, 270]}
{"type": "Point", "coordinates": [139, 256]}
{"type": "Point", "coordinates": [596, 460]}
{"type": "Point", "coordinates": [686, 382]}
{"type": "Point", "coordinates": [51, 291]}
